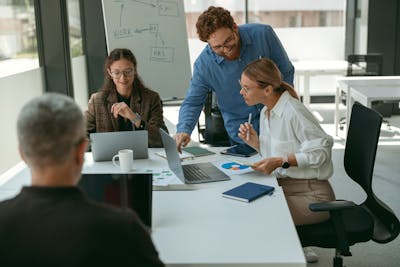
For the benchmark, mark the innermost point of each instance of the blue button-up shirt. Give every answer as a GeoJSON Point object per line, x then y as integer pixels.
{"type": "Point", "coordinates": [213, 72]}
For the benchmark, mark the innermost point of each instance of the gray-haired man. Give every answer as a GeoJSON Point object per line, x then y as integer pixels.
{"type": "Point", "coordinates": [51, 222]}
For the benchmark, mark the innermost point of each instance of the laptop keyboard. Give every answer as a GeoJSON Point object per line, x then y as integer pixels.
{"type": "Point", "coordinates": [194, 173]}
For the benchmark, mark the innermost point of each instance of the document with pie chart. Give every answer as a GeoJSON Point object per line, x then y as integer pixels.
{"type": "Point", "coordinates": [230, 167]}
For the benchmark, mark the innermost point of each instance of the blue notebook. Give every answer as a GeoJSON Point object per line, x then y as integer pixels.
{"type": "Point", "coordinates": [248, 192]}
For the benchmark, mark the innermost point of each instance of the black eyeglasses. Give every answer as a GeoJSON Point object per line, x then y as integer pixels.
{"type": "Point", "coordinates": [228, 44]}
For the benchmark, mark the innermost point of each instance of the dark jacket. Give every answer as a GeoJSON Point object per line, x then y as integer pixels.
{"type": "Point", "coordinates": [45, 226]}
{"type": "Point", "coordinates": [145, 102]}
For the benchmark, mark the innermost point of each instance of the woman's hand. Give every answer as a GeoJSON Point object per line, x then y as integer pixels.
{"type": "Point", "coordinates": [248, 135]}
{"type": "Point", "coordinates": [268, 165]}
{"type": "Point", "coordinates": [123, 110]}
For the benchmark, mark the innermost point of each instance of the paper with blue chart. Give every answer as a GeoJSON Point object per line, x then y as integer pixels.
{"type": "Point", "coordinates": [233, 168]}
{"type": "Point", "coordinates": [236, 166]}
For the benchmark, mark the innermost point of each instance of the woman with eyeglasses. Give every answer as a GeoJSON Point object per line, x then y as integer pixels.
{"type": "Point", "coordinates": [291, 142]}
{"type": "Point", "coordinates": [124, 103]}
{"type": "Point", "coordinates": [230, 47]}
{"type": "Point", "coordinates": [294, 146]}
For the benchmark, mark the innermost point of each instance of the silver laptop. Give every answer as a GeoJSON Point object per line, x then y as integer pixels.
{"type": "Point", "coordinates": [190, 173]}
{"type": "Point", "coordinates": [106, 145]}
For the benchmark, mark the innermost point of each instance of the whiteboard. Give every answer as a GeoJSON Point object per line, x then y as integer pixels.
{"type": "Point", "coordinates": [155, 31]}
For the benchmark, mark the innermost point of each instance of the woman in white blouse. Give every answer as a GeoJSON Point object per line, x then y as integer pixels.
{"type": "Point", "coordinates": [291, 141]}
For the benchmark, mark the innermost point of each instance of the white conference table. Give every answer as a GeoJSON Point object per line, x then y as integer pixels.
{"type": "Point", "coordinates": [365, 90]}
{"type": "Point", "coordinates": [308, 69]}
{"type": "Point", "coordinates": [201, 228]}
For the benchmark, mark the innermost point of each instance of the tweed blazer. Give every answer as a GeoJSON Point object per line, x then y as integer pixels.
{"type": "Point", "coordinates": [145, 102]}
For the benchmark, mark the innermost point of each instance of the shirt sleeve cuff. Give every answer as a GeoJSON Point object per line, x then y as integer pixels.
{"type": "Point", "coordinates": [301, 160]}
{"type": "Point", "coordinates": [184, 130]}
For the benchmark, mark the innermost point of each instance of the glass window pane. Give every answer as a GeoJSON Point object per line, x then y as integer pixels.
{"type": "Point", "coordinates": [297, 13]}
{"type": "Point", "coordinates": [18, 44]}
{"type": "Point", "coordinates": [308, 29]}
{"type": "Point", "coordinates": [75, 33]}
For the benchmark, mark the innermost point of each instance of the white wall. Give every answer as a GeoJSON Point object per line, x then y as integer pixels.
{"type": "Point", "coordinates": [313, 43]}
{"type": "Point", "coordinates": [79, 77]}
{"type": "Point", "coordinates": [15, 91]}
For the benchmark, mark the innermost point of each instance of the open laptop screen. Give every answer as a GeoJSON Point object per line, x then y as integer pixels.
{"type": "Point", "coordinates": [132, 191]}
{"type": "Point", "coordinates": [105, 145]}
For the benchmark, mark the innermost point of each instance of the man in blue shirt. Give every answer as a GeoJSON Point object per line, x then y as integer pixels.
{"type": "Point", "coordinates": [219, 67]}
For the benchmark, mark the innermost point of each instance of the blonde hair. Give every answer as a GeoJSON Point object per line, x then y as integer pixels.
{"type": "Point", "coordinates": [264, 72]}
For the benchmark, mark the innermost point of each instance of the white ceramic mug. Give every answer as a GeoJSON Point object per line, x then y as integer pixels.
{"type": "Point", "coordinates": [125, 157]}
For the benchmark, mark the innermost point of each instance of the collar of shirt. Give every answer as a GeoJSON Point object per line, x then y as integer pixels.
{"type": "Point", "coordinates": [281, 104]}
{"type": "Point", "coordinates": [245, 40]}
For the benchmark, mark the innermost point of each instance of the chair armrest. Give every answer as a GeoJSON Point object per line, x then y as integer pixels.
{"type": "Point", "coordinates": [335, 208]}
{"type": "Point", "coordinates": [332, 205]}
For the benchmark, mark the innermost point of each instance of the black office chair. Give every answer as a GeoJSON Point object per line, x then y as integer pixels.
{"type": "Point", "coordinates": [350, 223]}
{"type": "Point", "coordinates": [213, 132]}
{"type": "Point", "coordinates": [365, 65]}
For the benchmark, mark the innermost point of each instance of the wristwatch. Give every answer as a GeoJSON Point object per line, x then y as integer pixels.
{"type": "Point", "coordinates": [285, 164]}
{"type": "Point", "coordinates": [136, 119]}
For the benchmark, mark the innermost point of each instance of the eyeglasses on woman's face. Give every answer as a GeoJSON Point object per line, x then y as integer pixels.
{"type": "Point", "coordinates": [244, 88]}
{"type": "Point", "coordinates": [261, 85]}
{"type": "Point", "coordinates": [116, 74]}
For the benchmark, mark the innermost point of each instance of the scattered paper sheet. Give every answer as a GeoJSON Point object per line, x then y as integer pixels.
{"type": "Point", "coordinates": [184, 155]}
{"type": "Point", "coordinates": [164, 177]}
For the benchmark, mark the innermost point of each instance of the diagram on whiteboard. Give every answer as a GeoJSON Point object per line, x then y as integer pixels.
{"type": "Point", "coordinates": [159, 51]}
{"type": "Point", "coordinates": [155, 31]}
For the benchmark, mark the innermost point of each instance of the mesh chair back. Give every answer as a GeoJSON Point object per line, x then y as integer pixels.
{"type": "Point", "coordinates": [361, 145]}
{"type": "Point", "coordinates": [359, 160]}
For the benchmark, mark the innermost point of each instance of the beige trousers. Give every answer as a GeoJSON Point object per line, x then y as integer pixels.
{"type": "Point", "coordinates": [299, 193]}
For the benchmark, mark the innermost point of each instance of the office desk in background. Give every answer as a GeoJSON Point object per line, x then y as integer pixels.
{"type": "Point", "coordinates": [201, 228]}
{"type": "Point", "coordinates": [365, 90]}
{"type": "Point", "coordinates": [308, 69]}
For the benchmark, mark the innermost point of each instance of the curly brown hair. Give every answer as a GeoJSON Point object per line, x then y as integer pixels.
{"type": "Point", "coordinates": [213, 19]}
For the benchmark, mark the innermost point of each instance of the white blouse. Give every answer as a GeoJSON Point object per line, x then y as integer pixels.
{"type": "Point", "coordinates": [293, 129]}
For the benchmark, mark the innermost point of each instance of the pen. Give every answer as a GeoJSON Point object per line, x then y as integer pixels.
{"type": "Point", "coordinates": [248, 131]}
